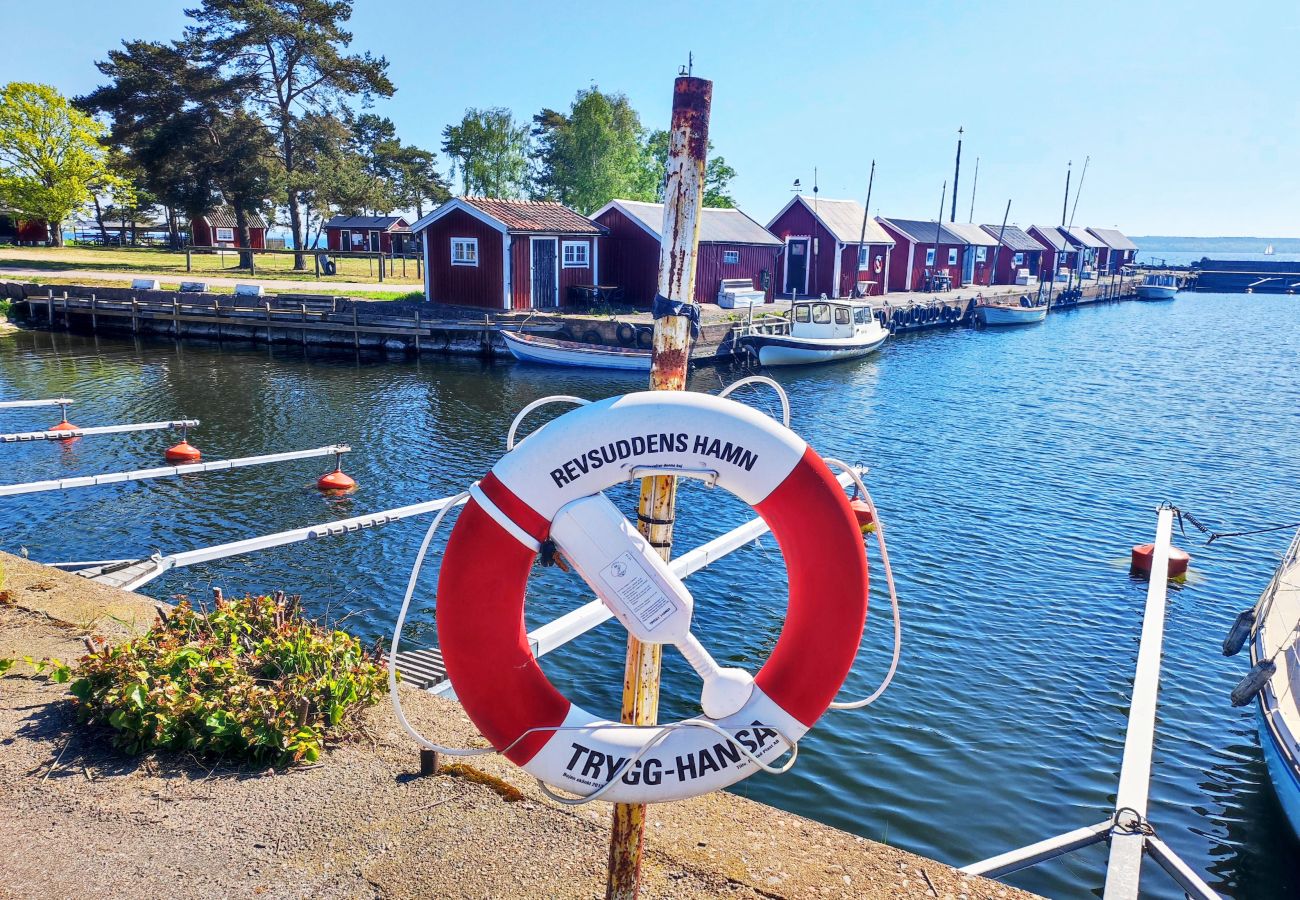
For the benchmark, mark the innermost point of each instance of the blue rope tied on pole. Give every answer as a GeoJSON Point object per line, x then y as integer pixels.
{"type": "Point", "coordinates": [662, 307]}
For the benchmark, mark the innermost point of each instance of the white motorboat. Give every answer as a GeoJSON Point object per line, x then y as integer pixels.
{"type": "Point", "coordinates": [554, 352]}
{"type": "Point", "coordinates": [1024, 312]}
{"type": "Point", "coordinates": [1158, 287]}
{"type": "Point", "coordinates": [1275, 674]}
{"type": "Point", "coordinates": [816, 331]}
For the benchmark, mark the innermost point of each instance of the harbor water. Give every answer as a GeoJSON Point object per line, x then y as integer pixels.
{"type": "Point", "coordinates": [1013, 468]}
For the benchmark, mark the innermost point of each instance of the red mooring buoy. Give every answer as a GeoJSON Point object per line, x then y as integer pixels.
{"type": "Point", "coordinates": [336, 482]}
{"type": "Point", "coordinates": [1143, 554]}
{"type": "Point", "coordinates": [862, 512]}
{"type": "Point", "coordinates": [184, 452]}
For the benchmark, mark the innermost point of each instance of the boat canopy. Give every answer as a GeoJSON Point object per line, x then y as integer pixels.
{"type": "Point", "coordinates": [825, 318]}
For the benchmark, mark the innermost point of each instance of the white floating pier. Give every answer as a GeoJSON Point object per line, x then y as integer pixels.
{"type": "Point", "coordinates": [1128, 830]}
{"type": "Point", "coordinates": [96, 429]}
{"type": "Point", "coordinates": [24, 404]}
{"type": "Point", "coordinates": [131, 575]}
{"type": "Point", "coordinates": [63, 484]}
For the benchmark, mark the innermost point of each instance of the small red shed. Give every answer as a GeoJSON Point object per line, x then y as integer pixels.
{"type": "Point", "coordinates": [1088, 248]}
{"type": "Point", "coordinates": [922, 252]}
{"type": "Point", "coordinates": [977, 255]}
{"type": "Point", "coordinates": [219, 229]}
{"type": "Point", "coordinates": [506, 254]}
{"type": "Point", "coordinates": [17, 230]}
{"type": "Point", "coordinates": [1017, 251]}
{"type": "Point", "coordinates": [373, 234]}
{"type": "Point", "coordinates": [821, 251]}
{"type": "Point", "coordinates": [1120, 250]}
{"type": "Point", "coordinates": [1058, 253]}
{"type": "Point", "coordinates": [732, 245]}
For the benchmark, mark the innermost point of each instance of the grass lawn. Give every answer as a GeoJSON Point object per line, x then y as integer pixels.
{"type": "Point", "coordinates": [223, 263]}
{"type": "Point", "coordinates": [399, 293]}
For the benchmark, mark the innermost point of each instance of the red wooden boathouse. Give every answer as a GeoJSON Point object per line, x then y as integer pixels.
{"type": "Point", "coordinates": [17, 230]}
{"type": "Point", "coordinates": [1058, 252]}
{"type": "Point", "coordinates": [506, 254]}
{"type": "Point", "coordinates": [373, 234]}
{"type": "Point", "coordinates": [732, 245]}
{"type": "Point", "coordinates": [821, 253]}
{"type": "Point", "coordinates": [1090, 249]}
{"type": "Point", "coordinates": [977, 255]}
{"type": "Point", "coordinates": [922, 251]}
{"type": "Point", "coordinates": [1120, 250]}
{"type": "Point", "coordinates": [1017, 251]}
{"type": "Point", "coordinates": [219, 229]}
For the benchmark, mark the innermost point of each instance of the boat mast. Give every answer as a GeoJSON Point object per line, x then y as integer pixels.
{"type": "Point", "coordinates": [862, 236]}
{"type": "Point", "coordinates": [955, 175]}
{"type": "Point", "coordinates": [1001, 231]}
{"type": "Point", "coordinates": [974, 184]}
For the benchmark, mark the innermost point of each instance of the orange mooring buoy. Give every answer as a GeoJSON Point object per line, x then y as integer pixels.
{"type": "Point", "coordinates": [64, 424]}
{"type": "Point", "coordinates": [862, 512]}
{"type": "Point", "coordinates": [336, 482]}
{"type": "Point", "coordinates": [184, 452]}
{"type": "Point", "coordinates": [1143, 554]}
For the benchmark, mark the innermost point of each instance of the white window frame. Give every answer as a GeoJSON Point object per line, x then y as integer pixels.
{"type": "Point", "coordinates": [952, 256]}
{"type": "Point", "coordinates": [930, 255]}
{"type": "Point", "coordinates": [226, 235]}
{"type": "Point", "coordinates": [864, 258]}
{"type": "Point", "coordinates": [464, 260]}
{"type": "Point", "coordinates": [731, 257]}
{"type": "Point", "coordinates": [981, 254]}
{"type": "Point", "coordinates": [1018, 260]}
{"type": "Point", "coordinates": [584, 246]}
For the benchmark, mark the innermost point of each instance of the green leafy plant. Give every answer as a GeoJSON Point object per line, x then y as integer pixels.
{"type": "Point", "coordinates": [54, 669]}
{"type": "Point", "coordinates": [251, 680]}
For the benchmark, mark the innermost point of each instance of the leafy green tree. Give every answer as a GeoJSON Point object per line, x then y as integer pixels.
{"type": "Point", "coordinates": [490, 150]}
{"type": "Point", "coordinates": [717, 174]}
{"type": "Point", "coordinates": [593, 154]}
{"type": "Point", "coordinates": [294, 54]}
{"type": "Point", "coordinates": [51, 159]}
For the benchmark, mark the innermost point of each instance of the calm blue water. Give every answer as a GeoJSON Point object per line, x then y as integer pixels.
{"type": "Point", "coordinates": [1013, 468]}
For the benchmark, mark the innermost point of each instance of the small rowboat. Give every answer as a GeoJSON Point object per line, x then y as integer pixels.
{"type": "Point", "coordinates": [1024, 313]}
{"type": "Point", "coordinates": [554, 352]}
{"type": "Point", "coordinates": [817, 332]}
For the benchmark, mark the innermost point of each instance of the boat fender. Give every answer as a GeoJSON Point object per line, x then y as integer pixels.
{"type": "Point", "coordinates": [1239, 632]}
{"type": "Point", "coordinates": [645, 337]}
{"type": "Point", "coordinates": [1024, 300]}
{"type": "Point", "coordinates": [1250, 686]}
{"type": "Point", "coordinates": [565, 334]}
{"type": "Point", "coordinates": [626, 334]}
{"type": "Point", "coordinates": [592, 336]}
{"type": "Point", "coordinates": [550, 487]}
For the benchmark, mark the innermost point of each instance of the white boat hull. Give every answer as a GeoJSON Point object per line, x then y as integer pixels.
{"type": "Point", "coordinates": [1012, 315]}
{"type": "Point", "coordinates": [1279, 710]}
{"type": "Point", "coordinates": [551, 352]}
{"type": "Point", "coordinates": [783, 350]}
{"type": "Point", "coordinates": [1156, 292]}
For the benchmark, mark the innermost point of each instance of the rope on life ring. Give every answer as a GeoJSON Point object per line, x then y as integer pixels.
{"type": "Point", "coordinates": [626, 334]}
{"type": "Point", "coordinates": [549, 489]}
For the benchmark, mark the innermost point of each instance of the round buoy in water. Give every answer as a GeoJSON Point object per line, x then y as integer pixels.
{"type": "Point", "coordinates": [862, 513]}
{"type": "Point", "coordinates": [336, 482]}
{"type": "Point", "coordinates": [1143, 554]}
{"type": "Point", "coordinates": [65, 425]}
{"type": "Point", "coordinates": [184, 452]}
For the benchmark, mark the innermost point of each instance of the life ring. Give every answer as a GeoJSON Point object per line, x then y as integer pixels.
{"type": "Point", "coordinates": [880, 264]}
{"type": "Point", "coordinates": [645, 337]}
{"type": "Point", "coordinates": [626, 334]}
{"type": "Point", "coordinates": [531, 495]}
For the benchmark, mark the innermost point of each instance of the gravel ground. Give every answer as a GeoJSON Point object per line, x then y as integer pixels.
{"type": "Point", "coordinates": [84, 820]}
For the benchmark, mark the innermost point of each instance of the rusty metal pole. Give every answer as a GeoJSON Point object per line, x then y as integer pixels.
{"type": "Point", "coordinates": [675, 321]}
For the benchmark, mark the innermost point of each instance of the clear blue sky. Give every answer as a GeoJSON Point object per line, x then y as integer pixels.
{"type": "Point", "coordinates": [1188, 110]}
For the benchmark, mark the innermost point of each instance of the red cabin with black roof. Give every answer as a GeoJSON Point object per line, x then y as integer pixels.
{"type": "Point", "coordinates": [219, 229]}
{"type": "Point", "coordinates": [826, 251]}
{"type": "Point", "coordinates": [369, 234]}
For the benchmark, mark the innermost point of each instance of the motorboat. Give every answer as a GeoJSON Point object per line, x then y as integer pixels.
{"type": "Point", "coordinates": [549, 351]}
{"type": "Point", "coordinates": [1009, 312]}
{"type": "Point", "coordinates": [1158, 287]}
{"type": "Point", "coordinates": [815, 331]}
{"type": "Point", "coordinates": [1275, 659]}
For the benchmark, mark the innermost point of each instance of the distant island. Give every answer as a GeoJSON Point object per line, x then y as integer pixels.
{"type": "Point", "coordinates": [1216, 244]}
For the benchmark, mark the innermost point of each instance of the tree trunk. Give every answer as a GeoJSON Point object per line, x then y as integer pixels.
{"type": "Point", "coordinates": [173, 230]}
{"type": "Point", "coordinates": [245, 238]}
{"type": "Point", "coordinates": [99, 220]}
{"type": "Point", "coordinates": [56, 233]}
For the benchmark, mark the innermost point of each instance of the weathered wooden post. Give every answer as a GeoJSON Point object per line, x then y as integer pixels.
{"type": "Point", "coordinates": [676, 321]}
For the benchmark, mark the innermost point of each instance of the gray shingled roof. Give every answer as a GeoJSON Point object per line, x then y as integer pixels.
{"type": "Point", "coordinates": [1014, 238]}
{"type": "Point", "coordinates": [921, 231]}
{"type": "Point", "coordinates": [717, 226]}
{"type": "Point", "coordinates": [972, 234]}
{"type": "Point", "coordinates": [1113, 238]}
{"type": "Point", "coordinates": [225, 218]}
{"type": "Point", "coordinates": [1080, 237]}
{"type": "Point", "coordinates": [383, 223]}
{"type": "Point", "coordinates": [842, 218]}
{"type": "Point", "coordinates": [1052, 235]}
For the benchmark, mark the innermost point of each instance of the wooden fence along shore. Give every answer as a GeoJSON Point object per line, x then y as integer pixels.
{"type": "Point", "coordinates": [315, 320]}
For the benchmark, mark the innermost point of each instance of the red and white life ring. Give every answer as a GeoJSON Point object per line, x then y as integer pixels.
{"type": "Point", "coordinates": [480, 610]}
{"type": "Point", "coordinates": [879, 264]}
